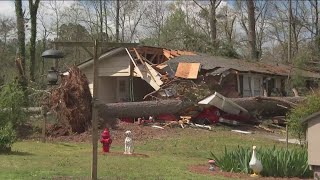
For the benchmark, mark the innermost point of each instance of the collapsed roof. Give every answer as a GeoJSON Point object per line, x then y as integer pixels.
{"type": "Point", "coordinates": [218, 63]}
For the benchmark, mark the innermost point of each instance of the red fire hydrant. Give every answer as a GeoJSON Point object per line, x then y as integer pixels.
{"type": "Point", "coordinates": [106, 140]}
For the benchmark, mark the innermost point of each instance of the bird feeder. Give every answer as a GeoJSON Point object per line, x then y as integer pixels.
{"type": "Point", "coordinates": [52, 54]}
{"type": "Point", "coordinates": [53, 73]}
{"type": "Point", "coordinates": [52, 76]}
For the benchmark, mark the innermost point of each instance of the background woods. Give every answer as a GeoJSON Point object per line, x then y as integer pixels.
{"type": "Point", "coordinates": [271, 31]}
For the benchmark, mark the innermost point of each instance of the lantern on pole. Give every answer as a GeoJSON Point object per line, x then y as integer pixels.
{"type": "Point", "coordinates": [53, 73]}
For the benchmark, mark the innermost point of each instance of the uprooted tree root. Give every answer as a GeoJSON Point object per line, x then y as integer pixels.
{"type": "Point", "coordinates": [72, 102]}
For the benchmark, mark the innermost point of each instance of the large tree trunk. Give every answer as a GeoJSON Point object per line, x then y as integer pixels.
{"type": "Point", "coordinates": [101, 21]}
{"type": "Point", "coordinates": [268, 106]}
{"type": "Point", "coordinates": [21, 33]}
{"type": "Point", "coordinates": [290, 31]}
{"type": "Point", "coordinates": [256, 106]}
{"type": "Point", "coordinates": [106, 19]}
{"type": "Point", "coordinates": [141, 109]}
{"type": "Point", "coordinates": [21, 57]}
{"type": "Point", "coordinates": [252, 29]}
{"type": "Point", "coordinates": [316, 17]}
{"type": "Point", "coordinates": [213, 24]}
{"type": "Point", "coordinates": [117, 20]}
{"type": "Point", "coordinates": [33, 15]}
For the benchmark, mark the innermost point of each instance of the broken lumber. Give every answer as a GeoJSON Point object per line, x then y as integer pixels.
{"type": "Point", "coordinates": [268, 106]}
{"type": "Point", "coordinates": [141, 109]}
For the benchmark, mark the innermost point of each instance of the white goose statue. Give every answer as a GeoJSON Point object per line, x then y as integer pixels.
{"type": "Point", "coordinates": [255, 164]}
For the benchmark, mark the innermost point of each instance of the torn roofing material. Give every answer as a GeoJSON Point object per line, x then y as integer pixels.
{"type": "Point", "coordinates": [213, 62]}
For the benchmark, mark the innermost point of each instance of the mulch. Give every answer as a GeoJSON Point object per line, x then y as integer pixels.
{"type": "Point", "coordinates": [204, 169]}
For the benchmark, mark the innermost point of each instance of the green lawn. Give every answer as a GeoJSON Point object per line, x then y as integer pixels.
{"type": "Point", "coordinates": [169, 157]}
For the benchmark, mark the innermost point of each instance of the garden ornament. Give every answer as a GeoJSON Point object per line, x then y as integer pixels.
{"type": "Point", "coordinates": [128, 144]}
{"type": "Point", "coordinates": [255, 164]}
{"type": "Point", "coordinates": [106, 140]}
{"type": "Point", "coordinates": [211, 163]}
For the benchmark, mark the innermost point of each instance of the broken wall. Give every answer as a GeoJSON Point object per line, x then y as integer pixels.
{"type": "Point", "coordinates": [226, 86]}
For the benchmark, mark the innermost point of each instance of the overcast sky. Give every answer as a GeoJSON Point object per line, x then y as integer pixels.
{"type": "Point", "coordinates": [7, 8]}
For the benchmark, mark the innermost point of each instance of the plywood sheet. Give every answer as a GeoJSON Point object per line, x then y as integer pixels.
{"type": "Point", "coordinates": [188, 70]}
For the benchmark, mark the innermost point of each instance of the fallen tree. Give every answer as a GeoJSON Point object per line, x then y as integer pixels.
{"type": "Point", "coordinates": [140, 109]}
{"type": "Point", "coordinates": [256, 106]}
{"type": "Point", "coordinates": [72, 101]}
{"type": "Point", "coordinates": [268, 106]}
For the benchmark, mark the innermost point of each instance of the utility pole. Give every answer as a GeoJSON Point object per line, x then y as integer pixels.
{"type": "Point", "coordinates": [289, 37]}
{"type": "Point", "coordinates": [94, 171]}
{"type": "Point", "coordinates": [94, 54]}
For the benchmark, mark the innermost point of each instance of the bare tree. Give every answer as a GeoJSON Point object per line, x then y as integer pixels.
{"type": "Point", "coordinates": [21, 33]}
{"type": "Point", "coordinates": [7, 26]}
{"type": "Point", "coordinates": [252, 29]}
{"type": "Point", "coordinates": [33, 7]}
{"type": "Point", "coordinates": [212, 19]}
{"type": "Point", "coordinates": [117, 20]}
{"type": "Point", "coordinates": [57, 7]}
{"type": "Point", "coordinates": [154, 18]}
{"type": "Point", "coordinates": [262, 8]}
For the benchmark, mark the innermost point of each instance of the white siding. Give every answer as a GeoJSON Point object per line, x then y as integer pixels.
{"type": "Point", "coordinates": [115, 66]}
{"type": "Point", "coordinates": [107, 89]}
{"type": "Point", "coordinates": [118, 65]}
{"type": "Point", "coordinates": [313, 134]}
{"type": "Point", "coordinates": [109, 69]}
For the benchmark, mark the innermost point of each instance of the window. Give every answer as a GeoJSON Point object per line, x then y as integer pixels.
{"type": "Point", "coordinates": [251, 85]}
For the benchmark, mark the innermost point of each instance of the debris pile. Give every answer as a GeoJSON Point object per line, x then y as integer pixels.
{"type": "Point", "coordinates": [218, 88]}
{"type": "Point", "coordinates": [71, 101]}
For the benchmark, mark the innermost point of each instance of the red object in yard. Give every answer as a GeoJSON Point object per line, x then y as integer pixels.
{"type": "Point", "coordinates": [211, 114]}
{"type": "Point", "coordinates": [106, 140]}
{"type": "Point", "coordinates": [166, 117]}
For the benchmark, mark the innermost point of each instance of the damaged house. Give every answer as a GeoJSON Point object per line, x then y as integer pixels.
{"type": "Point", "coordinates": [131, 74]}
{"type": "Point", "coordinates": [240, 78]}
{"type": "Point", "coordinates": [128, 74]}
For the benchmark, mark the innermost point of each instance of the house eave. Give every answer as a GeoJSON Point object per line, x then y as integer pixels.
{"type": "Point", "coordinates": [105, 55]}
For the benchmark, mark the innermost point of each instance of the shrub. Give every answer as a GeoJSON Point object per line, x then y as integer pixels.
{"type": "Point", "coordinates": [12, 99]}
{"type": "Point", "coordinates": [276, 162]}
{"type": "Point", "coordinates": [303, 110]}
{"type": "Point", "coordinates": [11, 113]}
{"type": "Point", "coordinates": [7, 137]}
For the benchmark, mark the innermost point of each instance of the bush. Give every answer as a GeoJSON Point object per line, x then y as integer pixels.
{"type": "Point", "coordinates": [276, 162]}
{"type": "Point", "coordinates": [7, 137]}
{"type": "Point", "coordinates": [303, 110]}
{"type": "Point", "coordinates": [11, 114]}
{"type": "Point", "coordinates": [12, 99]}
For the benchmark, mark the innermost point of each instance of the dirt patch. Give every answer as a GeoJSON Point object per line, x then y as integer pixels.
{"type": "Point", "coordinates": [122, 154]}
{"type": "Point", "coordinates": [140, 133]}
{"type": "Point", "coordinates": [57, 130]}
{"type": "Point", "coordinates": [204, 169]}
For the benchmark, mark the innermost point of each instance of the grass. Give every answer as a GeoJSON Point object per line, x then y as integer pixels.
{"type": "Point", "coordinates": [169, 157]}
